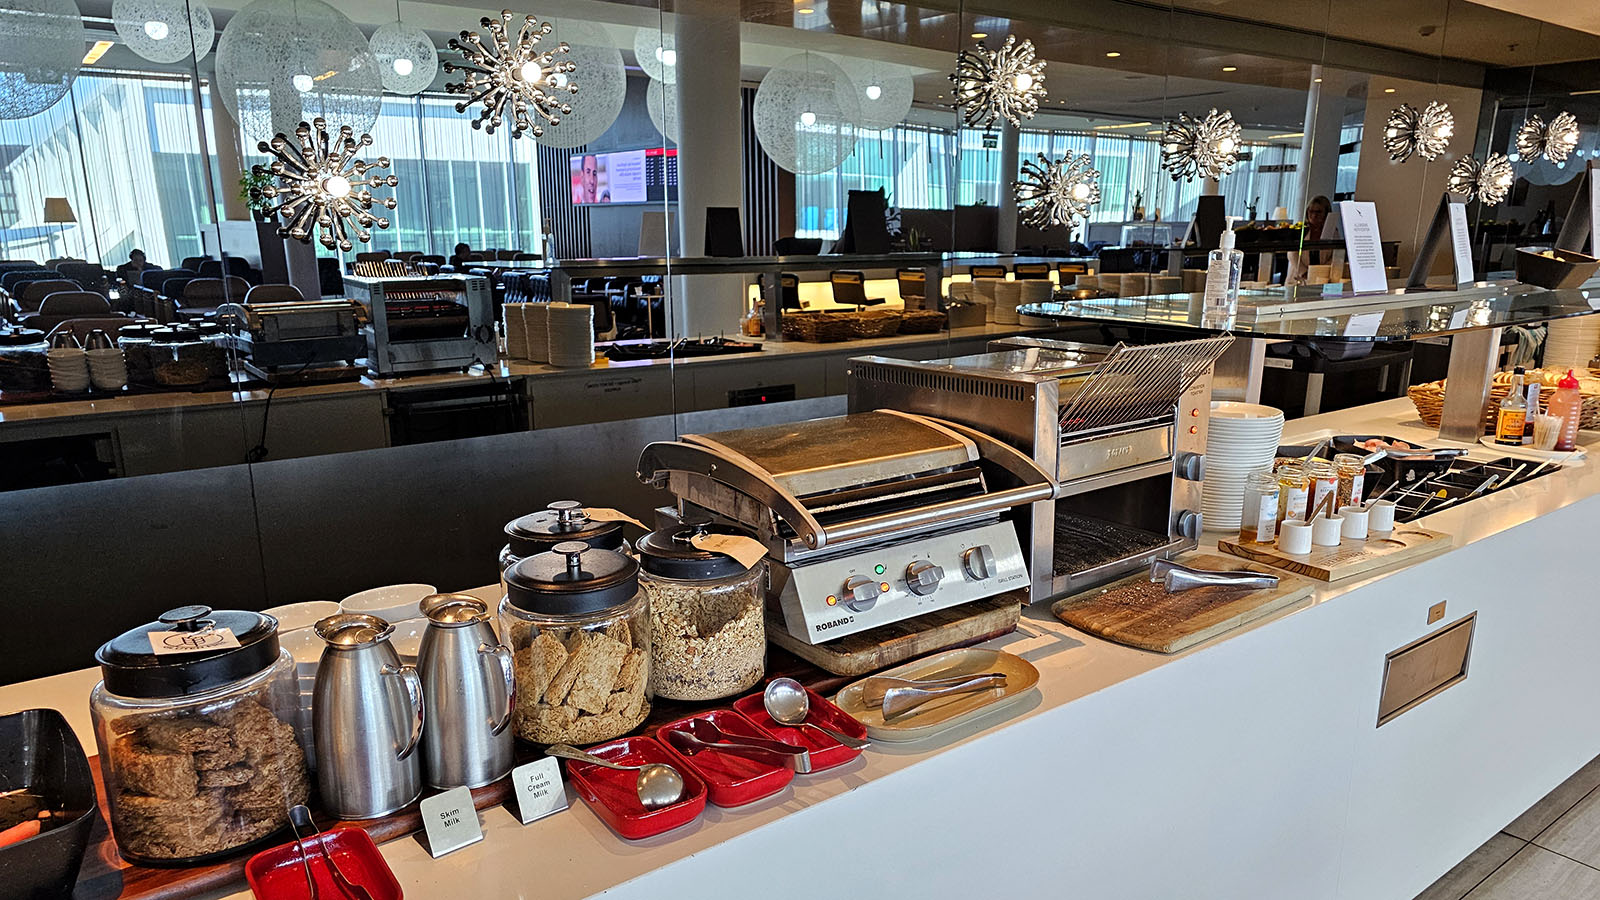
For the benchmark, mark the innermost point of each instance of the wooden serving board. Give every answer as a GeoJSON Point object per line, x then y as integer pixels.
{"type": "Point", "coordinates": [1407, 543]}
{"type": "Point", "coordinates": [886, 645]}
{"type": "Point", "coordinates": [1141, 614]}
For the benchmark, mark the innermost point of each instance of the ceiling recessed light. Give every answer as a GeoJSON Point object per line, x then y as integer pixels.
{"type": "Point", "coordinates": [1112, 54]}
{"type": "Point", "coordinates": [1316, 81]}
{"type": "Point", "coordinates": [1388, 90]}
{"type": "Point", "coordinates": [1230, 68]}
{"type": "Point", "coordinates": [979, 35]}
{"type": "Point", "coordinates": [805, 10]}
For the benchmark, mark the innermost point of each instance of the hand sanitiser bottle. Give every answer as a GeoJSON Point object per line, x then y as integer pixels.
{"type": "Point", "coordinates": [1224, 265]}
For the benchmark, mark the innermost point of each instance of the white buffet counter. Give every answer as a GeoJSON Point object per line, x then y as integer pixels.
{"type": "Point", "coordinates": [1247, 767]}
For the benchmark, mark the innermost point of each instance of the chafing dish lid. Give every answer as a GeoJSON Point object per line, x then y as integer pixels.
{"type": "Point", "coordinates": [843, 451]}
{"type": "Point", "coordinates": [573, 579]}
{"type": "Point", "coordinates": [670, 553]}
{"type": "Point", "coordinates": [565, 520]}
{"type": "Point", "coordinates": [132, 668]}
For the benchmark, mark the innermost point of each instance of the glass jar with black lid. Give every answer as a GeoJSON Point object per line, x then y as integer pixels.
{"type": "Point", "coordinates": [579, 630]}
{"type": "Point", "coordinates": [707, 613]}
{"type": "Point", "coordinates": [194, 720]}
{"type": "Point", "coordinates": [563, 520]}
{"type": "Point", "coordinates": [24, 363]}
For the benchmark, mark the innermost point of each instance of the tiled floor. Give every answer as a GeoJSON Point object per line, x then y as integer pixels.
{"type": "Point", "coordinates": [1551, 852]}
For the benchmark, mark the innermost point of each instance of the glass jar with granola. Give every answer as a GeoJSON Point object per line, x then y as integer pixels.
{"type": "Point", "coordinates": [579, 631]}
{"type": "Point", "coordinates": [194, 720]}
{"type": "Point", "coordinates": [707, 612]}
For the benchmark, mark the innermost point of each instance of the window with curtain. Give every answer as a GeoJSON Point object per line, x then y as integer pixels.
{"type": "Point", "coordinates": [911, 162]}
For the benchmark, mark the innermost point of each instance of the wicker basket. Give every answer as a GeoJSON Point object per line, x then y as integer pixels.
{"type": "Point", "coordinates": [922, 321]}
{"type": "Point", "coordinates": [875, 323]}
{"type": "Point", "coordinates": [821, 328]}
{"type": "Point", "coordinates": [1429, 401]}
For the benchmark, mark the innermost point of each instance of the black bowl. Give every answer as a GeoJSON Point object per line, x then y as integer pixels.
{"type": "Point", "coordinates": [39, 753]}
{"type": "Point", "coordinates": [1567, 269]}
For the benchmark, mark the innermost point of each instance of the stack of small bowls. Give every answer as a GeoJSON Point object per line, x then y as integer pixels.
{"type": "Point", "coordinates": [108, 369]}
{"type": "Point", "coordinates": [69, 366]}
{"type": "Point", "coordinates": [1243, 438]}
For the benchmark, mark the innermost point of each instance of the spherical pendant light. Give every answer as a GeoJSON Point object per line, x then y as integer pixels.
{"type": "Point", "coordinates": [657, 52]}
{"type": "Point", "coordinates": [661, 101]}
{"type": "Point", "coordinates": [283, 62]}
{"type": "Point", "coordinates": [602, 84]}
{"type": "Point", "coordinates": [165, 31]}
{"type": "Point", "coordinates": [806, 113]}
{"type": "Point", "coordinates": [41, 45]}
{"type": "Point", "coordinates": [883, 90]}
{"type": "Point", "coordinates": [407, 59]}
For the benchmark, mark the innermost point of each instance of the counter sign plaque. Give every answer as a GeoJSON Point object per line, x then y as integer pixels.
{"type": "Point", "coordinates": [539, 789]}
{"type": "Point", "coordinates": [451, 821]}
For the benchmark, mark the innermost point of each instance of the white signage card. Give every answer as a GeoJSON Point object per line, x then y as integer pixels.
{"type": "Point", "coordinates": [748, 551]}
{"type": "Point", "coordinates": [1364, 325]}
{"type": "Point", "coordinates": [1364, 247]}
{"type": "Point", "coordinates": [539, 789]}
{"type": "Point", "coordinates": [451, 821]}
{"type": "Point", "coordinates": [1458, 319]}
{"type": "Point", "coordinates": [1461, 241]}
{"type": "Point", "coordinates": [165, 642]}
{"type": "Point", "coordinates": [604, 514]}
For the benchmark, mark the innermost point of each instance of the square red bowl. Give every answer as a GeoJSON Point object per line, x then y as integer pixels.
{"type": "Point", "coordinates": [731, 780]}
{"type": "Point", "coordinates": [276, 873]}
{"type": "Point", "coordinates": [825, 751]}
{"type": "Point", "coordinates": [614, 798]}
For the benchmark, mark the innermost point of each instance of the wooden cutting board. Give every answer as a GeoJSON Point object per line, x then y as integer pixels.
{"type": "Point", "coordinates": [881, 647]}
{"type": "Point", "coordinates": [1139, 613]}
{"type": "Point", "coordinates": [1407, 543]}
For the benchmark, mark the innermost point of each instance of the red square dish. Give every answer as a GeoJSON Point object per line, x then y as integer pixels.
{"type": "Point", "coordinates": [614, 798]}
{"type": "Point", "coordinates": [276, 873]}
{"type": "Point", "coordinates": [825, 751]}
{"type": "Point", "coordinates": [731, 780]}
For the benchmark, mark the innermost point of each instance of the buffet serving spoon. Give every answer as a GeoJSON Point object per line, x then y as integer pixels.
{"type": "Point", "coordinates": [658, 784]}
{"type": "Point", "coordinates": [786, 702]}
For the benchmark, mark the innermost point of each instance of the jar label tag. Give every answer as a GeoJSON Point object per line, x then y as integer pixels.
{"type": "Point", "coordinates": [165, 642]}
{"type": "Point", "coordinates": [539, 789]}
{"type": "Point", "coordinates": [748, 551]}
{"type": "Point", "coordinates": [451, 821]}
{"type": "Point", "coordinates": [603, 514]}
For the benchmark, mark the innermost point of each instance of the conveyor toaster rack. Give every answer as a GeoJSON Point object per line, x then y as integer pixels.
{"type": "Point", "coordinates": [1136, 383]}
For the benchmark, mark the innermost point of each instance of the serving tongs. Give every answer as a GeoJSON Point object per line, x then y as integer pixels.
{"type": "Point", "coordinates": [300, 819]}
{"type": "Point", "coordinates": [903, 695]}
{"type": "Point", "coordinates": [1177, 577]}
{"type": "Point", "coordinates": [698, 735]}
{"type": "Point", "coordinates": [1391, 453]}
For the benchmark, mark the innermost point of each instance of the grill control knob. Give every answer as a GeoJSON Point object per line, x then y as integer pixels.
{"type": "Point", "coordinates": [1191, 466]}
{"type": "Point", "coordinates": [861, 593]}
{"type": "Point", "coordinates": [923, 577]}
{"type": "Point", "coordinates": [1189, 524]}
{"type": "Point", "coordinates": [979, 562]}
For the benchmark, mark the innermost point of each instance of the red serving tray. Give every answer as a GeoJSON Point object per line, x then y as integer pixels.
{"type": "Point", "coordinates": [613, 797]}
{"type": "Point", "coordinates": [731, 780]}
{"type": "Point", "coordinates": [276, 873]}
{"type": "Point", "coordinates": [825, 751]}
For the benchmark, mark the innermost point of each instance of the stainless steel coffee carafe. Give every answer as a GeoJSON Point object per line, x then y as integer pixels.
{"type": "Point", "coordinates": [467, 685]}
{"type": "Point", "coordinates": [367, 719]}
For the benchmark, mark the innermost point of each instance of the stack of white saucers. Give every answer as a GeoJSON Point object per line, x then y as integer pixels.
{"type": "Point", "coordinates": [1243, 438]}
{"type": "Point", "coordinates": [536, 331]}
{"type": "Point", "coordinates": [571, 334]}
{"type": "Point", "coordinates": [1007, 294]}
{"type": "Point", "coordinates": [107, 368]}
{"type": "Point", "coordinates": [1571, 343]}
{"type": "Point", "coordinates": [516, 331]}
{"type": "Point", "coordinates": [69, 370]}
{"type": "Point", "coordinates": [984, 291]}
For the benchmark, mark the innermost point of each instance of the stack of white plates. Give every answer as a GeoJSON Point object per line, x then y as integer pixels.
{"type": "Point", "coordinates": [107, 369]}
{"type": "Point", "coordinates": [1007, 294]}
{"type": "Point", "coordinates": [1571, 343]}
{"type": "Point", "coordinates": [536, 328]}
{"type": "Point", "coordinates": [984, 291]}
{"type": "Point", "coordinates": [571, 334]}
{"type": "Point", "coordinates": [961, 291]}
{"type": "Point", "coordinates": [1243, 438]}
{"type": "Point", "coordinates": [516, 331]}
{"type": "Point", "coordinates": [1087, 281]}
{"type": "Point", "coordinates": [69, 369]}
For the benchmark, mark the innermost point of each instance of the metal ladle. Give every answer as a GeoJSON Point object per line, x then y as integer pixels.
{"type": "Point", "coordinates": [786, 702]}
{"type": "Point", "coordinates": [658, 784]}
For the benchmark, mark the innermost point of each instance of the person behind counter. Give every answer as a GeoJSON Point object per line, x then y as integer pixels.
{"type": "Point", "coordinates": [1316, 229]}
{"type": "Point", "coordinates": [131, 271]}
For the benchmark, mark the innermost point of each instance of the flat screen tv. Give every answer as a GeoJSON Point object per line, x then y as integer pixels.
{"type": "Point", "coordinates": [625, 176]}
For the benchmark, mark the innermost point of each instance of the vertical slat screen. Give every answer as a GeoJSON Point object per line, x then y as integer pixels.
{"type": "Point", "coordinates": [762, 189]}
{"type": "Point", "coordinates": [570, 238]}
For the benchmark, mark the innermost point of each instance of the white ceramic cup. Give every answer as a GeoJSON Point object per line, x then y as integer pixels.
{"type": "Point", "coordinates": [1380, 515]}
{"type": "Point", "coordinates": [1355, 522]}
{"type": "Point", "coordinates": [1325, 530]}
{"type": "Point", "coordinates": [1294, 537]}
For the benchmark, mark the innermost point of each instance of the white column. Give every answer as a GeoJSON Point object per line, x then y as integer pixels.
{"type": "Point", "coordinates": [1006, 237]}
{"type": "Point", "coordinates": [710, 155]}
{"type": "Point", "coordinates": [1319, 146]}
{"type": "Point", "coordinates": [230, 166]}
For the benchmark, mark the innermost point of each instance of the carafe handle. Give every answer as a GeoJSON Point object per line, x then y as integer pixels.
{"type": "Point", "coordinates": [408, 676]}
{"type": "Point", "coordinates": [501, 654]}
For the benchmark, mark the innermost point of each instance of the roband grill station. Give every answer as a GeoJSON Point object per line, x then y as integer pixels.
{"type": "Point", "coordinates": [867, 519]}
{"type": "Point", "coordinates": [1122, 430]}
{"type": "Point", "coordinates": [297, 341]}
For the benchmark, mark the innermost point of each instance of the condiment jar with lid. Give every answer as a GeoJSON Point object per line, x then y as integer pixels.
{"type": "Point", "coordinates": [579, 630]}
{"type": "Point", "coordinates": [1324, 482]}
{"type": "Point", "coordinates": [1352, 479]}
{"type": "Point", "coordinates": [707, 612]}
{"type": "Point", "coordinates": [564, 520]}
{"type": "Point", "coordinates": [195, 724]}
{"type": "Point", "coordinates": [1292, 489]}
{"type": "Point", "coordinates": [1259, 518]}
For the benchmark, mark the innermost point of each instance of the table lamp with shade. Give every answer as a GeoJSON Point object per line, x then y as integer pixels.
{"type": "Point", "coordinates": [57, 211]}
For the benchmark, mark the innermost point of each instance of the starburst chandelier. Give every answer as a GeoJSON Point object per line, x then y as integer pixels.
{"type": "Point", "coordinates": [1207, 147]}
{"type": "Point", "coordinates": [1057, 193]}
{"type": "Point", "coordinates": [991, 84]}
{"type": "Point", "coordinates": [1554, 142]}
{"type": "Point", "coordinates": [515, 76]}
{"type": "Point", "coordinates": [321, 184]}
{"type": "Point", "coordinates": [1424, 133]}
{"type": "Point", "coordinates": [1489, 181]}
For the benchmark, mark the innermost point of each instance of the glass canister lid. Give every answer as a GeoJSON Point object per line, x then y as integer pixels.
{"type": "Point", "coordinates": [188, 650]}
{"type": "Point", "coordinates": [20, 337]}
{"type": "Point", "coordinates": [564, 520]}
{"type": "Point", "coordinates": [573, 579]}
{"type": "Point", "coordinates": [671, 553]}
